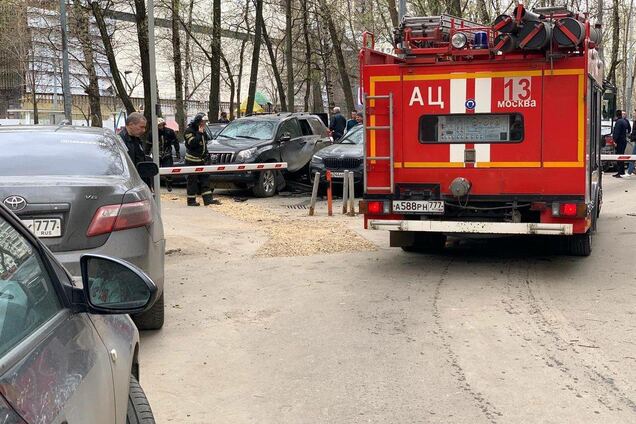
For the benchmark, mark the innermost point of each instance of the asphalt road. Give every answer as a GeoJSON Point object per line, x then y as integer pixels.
{"type": "Point", "coordinates": [491, 331]}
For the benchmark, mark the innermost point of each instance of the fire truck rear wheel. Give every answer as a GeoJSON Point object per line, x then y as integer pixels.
{"type": "Point", "coordinates": [427, 243]}
{"type": "Point", "coordinates": [580, 244]}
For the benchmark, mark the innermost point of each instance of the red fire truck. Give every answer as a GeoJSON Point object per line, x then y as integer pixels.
{"type": "Point", "coordinates": [473, 129]}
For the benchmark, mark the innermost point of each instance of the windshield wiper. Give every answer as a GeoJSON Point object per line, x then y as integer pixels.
{"type": "Point", "coordinates": [248, 137]}
{"type": "Point", "coordinates": [226, 136]}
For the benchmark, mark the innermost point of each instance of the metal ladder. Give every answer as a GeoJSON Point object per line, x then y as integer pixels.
{"type": "Point", "coordinates": [389, 158]}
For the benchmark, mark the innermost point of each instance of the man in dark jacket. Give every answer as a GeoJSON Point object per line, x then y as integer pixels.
{"type": "Point", "coordinates": [131, 136]}
{"type": "Point", "coordinates": [621, 128]}
{"type": "Point", "coordinates": [196, 142]}
{"type": "Point", "coordinates": [167, 140]}
{"type": "Point", "coordinates": [352, 122]}
{"type": "Point", "coordinates": [338, 124]}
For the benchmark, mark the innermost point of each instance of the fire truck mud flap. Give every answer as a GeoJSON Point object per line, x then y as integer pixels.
{"type": "Point", "coordinates": [462, 227]}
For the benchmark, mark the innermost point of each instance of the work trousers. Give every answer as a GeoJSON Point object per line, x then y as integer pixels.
{"type": "Point", "coordinates": [198, 184]}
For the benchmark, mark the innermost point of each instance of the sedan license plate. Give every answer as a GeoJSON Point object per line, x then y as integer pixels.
{"type": "Point", "coordinates": [44, 227]}
{"type": "Point", "coordinates": [418, 206]}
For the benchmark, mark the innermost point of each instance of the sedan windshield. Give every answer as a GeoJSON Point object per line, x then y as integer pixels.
{"type": "Point", "coordinates": [354, 136]}
{"type": "Point", "coordinates": [31, 153]}
{"type": "Point", "coordinates": [248, 128]}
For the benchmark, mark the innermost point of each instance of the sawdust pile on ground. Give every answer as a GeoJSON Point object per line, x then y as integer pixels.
{"type": "Point", "coordinates": [295, 235]}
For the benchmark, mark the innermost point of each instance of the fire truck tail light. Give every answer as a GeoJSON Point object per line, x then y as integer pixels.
{"type": "Point", "coordinates": [568, 209]}
{"type": "Point", "coordinates": [374, 207]}
{"type": "Point", "coordinates": [571, 210]}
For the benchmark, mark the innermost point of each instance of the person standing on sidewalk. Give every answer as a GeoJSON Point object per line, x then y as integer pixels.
{"type": "Point", "coordinates": [621, 128]}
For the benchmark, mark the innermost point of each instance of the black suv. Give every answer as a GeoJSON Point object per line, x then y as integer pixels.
{"type": "Point", "coordinates": [282, 137]}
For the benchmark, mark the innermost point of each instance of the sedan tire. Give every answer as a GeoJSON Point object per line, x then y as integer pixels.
{"type": "Point", "coordinates": [153, 318]}
{"type": "Point", "coordinates": [139, 411]}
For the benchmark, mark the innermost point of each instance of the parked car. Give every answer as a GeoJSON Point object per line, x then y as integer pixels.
{"type": "Point", "coordinates": [345, 155]}
{"type": "Point", "coordinates": [282, 137]}
{"type": "Point", "coordinates": [77, 190]}
{"type": "Point", "coordinates": [68, 353]}
{"type": "Point", "coordinates": [608, 146]}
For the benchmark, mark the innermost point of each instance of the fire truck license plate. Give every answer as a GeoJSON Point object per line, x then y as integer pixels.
{"type": "Point", "coordinates": [418, 206]}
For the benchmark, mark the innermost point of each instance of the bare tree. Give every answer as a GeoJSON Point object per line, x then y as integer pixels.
{"type": "Point", "coordinates": [178, 68]}
{"type": "Point", "coordinates": [215, 63]}
{"type": "Point", "coordinates": [141, 21]}
{"type": "Point", "coordinates": [614, 61]}
{"type": "Point", "coordinates": [110, 55]}
{"type": "Point", "coordinates": [272, 57]}
{"type": "Point", "coordinates": [81, 28]}
{"type": "Point", "coordinates": [340, 61]}
{"type": "Point", "coordinates": [289, 57]}
{"type": "Point", "coordinates": [255, 56]}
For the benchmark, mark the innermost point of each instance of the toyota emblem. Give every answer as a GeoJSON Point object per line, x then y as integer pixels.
{"type": "Point", "coordinates": [15, 203]}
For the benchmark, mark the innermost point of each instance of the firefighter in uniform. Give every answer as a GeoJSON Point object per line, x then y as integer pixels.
{"type": "Point", "coordinates": [167, 140]}
{"type": "Point", "coordinates": [196, 142]}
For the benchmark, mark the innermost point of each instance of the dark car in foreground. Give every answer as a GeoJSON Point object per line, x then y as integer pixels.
{"type": "Point", "coordinates": [68, 354]}
{"type": "Point", "coordinates": [282, 137]}
{"type": "Point", "coordinates": [345, 155]}
{"type": "Point", "coordinates": [78, 191]}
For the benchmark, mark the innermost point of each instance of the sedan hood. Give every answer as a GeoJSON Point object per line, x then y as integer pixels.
{"type": "Point", "coordinates": [341, 150]}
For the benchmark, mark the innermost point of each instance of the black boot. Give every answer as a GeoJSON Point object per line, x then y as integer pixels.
{"type": "Point", "coordinates": [208, 200]}
{"type": "Point", "coordinates": [192, 201]}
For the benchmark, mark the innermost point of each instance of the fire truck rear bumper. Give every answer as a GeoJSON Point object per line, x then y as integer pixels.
{"type": "Point", "coordinates": [462, 227]}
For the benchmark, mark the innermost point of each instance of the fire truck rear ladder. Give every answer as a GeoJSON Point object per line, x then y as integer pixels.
{"type": "Point", "coordinates": [389, 158]}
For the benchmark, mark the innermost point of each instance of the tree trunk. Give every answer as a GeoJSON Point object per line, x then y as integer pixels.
{"type": "Point", "coordinates": [186, 81]}
{"type": "Point", "coordinates": [289, 57]}
{"type": "Point", "coordinates": [342, 66]}
{"type": "Point", "coordinates": [82, 32]}
{"type": "Point", "coordinates": [395, 19]}
{"type": "Point", "coordinates": [178, 69]}
{"type": "Point", "coordinates": [611, 75]}
{"type": "Point", "coordinates": [230, 77]}
{"type": "Point", "coordinates": [141, 19]}
{"type": "Point", "coordinates": [277, 77]}
{"type": "Point", "coordinates": [319, 106]}
{"type": "Point", "coordinates": [255, 56]}
{"type": "Point", "coordinates": [242, 58]}
{"type": "Point", "coordinates": [110, 55]}
{"type": "Point", "coordinates": [308, 63]}
{"type": "Point", "coordinates": [215, 63]}
{"type": "Point", "coordinates": [36, 113]}
{"type": "Point", "coordinates": [483, 12]}
{"type": "Point", "coordinates": [599, 20]}
{"type": "Point", "coordinates": [455, 8]}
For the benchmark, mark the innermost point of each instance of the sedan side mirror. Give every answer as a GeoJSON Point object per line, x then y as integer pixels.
{"type": "Point", "coordinates": [147, 169]}
{"type": "Point", "coordinates": [113, 286]}
{"type": "Point", "coordinates": [285, 138]}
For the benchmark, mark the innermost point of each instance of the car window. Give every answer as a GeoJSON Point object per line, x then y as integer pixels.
{"type": "Point", "coordinates": [305, 128]}
{"type": "Point", "coordinates": [290, 126]}
{"type": "Point", "coordinates": [248, 128]}
{"type": "Point", "coordinates": [354, 136]}
{"type": "Point", "coordinates": [59, 153]}
{"type": "Point", "coordinates": [317, 126]}
{"type": "Point", "coordinates": [27, 296]}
